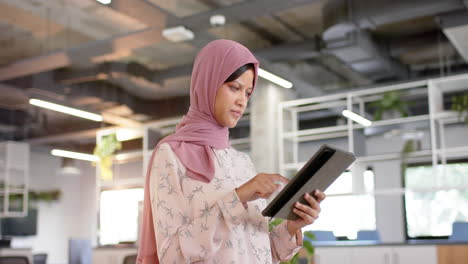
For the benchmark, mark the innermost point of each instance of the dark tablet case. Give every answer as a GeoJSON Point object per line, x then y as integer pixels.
{"type": "Point", "coordinates": [318, 173]}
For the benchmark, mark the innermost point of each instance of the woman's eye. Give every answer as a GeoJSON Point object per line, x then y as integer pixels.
{"type": "Point", "coordinates": [249, 94]}
{"type": "Point", "coordinates": [234, 88]}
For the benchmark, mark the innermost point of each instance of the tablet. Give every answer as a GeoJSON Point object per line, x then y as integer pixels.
{"type": "Point", "coordinates": [325, 166]}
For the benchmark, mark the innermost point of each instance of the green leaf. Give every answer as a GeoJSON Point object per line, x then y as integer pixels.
{"type": "Point", "coordinates": [460, 105]}
{"type": "Point", "coordinates": [309, 247]}
{"type": "Point", "coordinates": [390, 101]}
{"type": "Point", "coordinates": [274, 222]}
{"type": "Point", "coordinates": [310, 235]}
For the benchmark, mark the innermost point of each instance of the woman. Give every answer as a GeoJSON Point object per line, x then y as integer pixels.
{"type": "Point", "coordinates": [206, 197]}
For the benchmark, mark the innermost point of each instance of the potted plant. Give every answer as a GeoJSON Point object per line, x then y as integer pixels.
{"type": "Point", "coordinates": [460, 105]}
{"type": "Point", "coordinates": [16, 200]}
{"type": "Point", "coordinates": [105, 151]}
{"type": "Point", "coordinates": [390, 102]}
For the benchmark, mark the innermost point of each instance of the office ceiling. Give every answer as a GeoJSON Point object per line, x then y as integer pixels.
{"type": "Point", "coordinates": [113, 59]}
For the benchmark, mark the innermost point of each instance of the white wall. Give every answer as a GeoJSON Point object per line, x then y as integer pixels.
{"type": "Point", "coordinates": [70, 217]}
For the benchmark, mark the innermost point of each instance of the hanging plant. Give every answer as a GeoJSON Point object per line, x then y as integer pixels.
{"type": "Point", "coordinates": [45, 196]}
{"type": "Point", "coordinates": [307, 245]}
{"type": "Point", "coordinates": [460, 105]}
{"type": "Point", "coordinates": [16, 200]}
{"type": "Point", "coordinates": [391, 101]}
{"type": "Point", "coordinates": [105, 151]}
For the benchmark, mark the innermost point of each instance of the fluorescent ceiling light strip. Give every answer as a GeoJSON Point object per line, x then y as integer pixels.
{"type": "Point", "coordinates": [66, 110]}
{"type": "Point", "coordinates": [128, 134]}
{"type": "Point", "coordinates": [106, 2]}
{"type": "Point", "coordinates": [74, 155]}
{"type": "Point", "coordinates": [357, 118]}
{"type": "Point", "coordinates": [274, 79]}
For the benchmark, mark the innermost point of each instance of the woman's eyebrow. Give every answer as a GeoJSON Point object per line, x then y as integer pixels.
{"type": "Point", "coordinates": [242, 84]}
{"type": "Point", "coordinates": [239, 82]}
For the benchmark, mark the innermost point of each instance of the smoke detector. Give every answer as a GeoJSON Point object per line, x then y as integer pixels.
{"type": "Point", "coordinates": [217, 20]}
{"type": "Point", "coordinates": [178, 34]}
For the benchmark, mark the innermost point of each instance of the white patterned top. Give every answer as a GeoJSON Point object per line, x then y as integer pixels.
{"type": "Point", "coordinates": [198, 222]}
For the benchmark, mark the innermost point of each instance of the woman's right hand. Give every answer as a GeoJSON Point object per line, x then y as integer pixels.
{"type": "Point", "coordinates": [260, 186]}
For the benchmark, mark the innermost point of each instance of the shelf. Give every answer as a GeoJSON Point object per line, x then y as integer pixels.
{"type": "Point", "coordinates": [415, 154]}
{"type": "Point", "coordinates": [332, 132]}
{"type": "Point", "coordinates": [13, 214]}
{"type": "Point", "coordinates": [338, 134]}
{"type": "Point", "coordinates": [318, 106]}
{"type": "Point", "coordinates": [451, 83]}
{"type": "Point", "coordinates": [14, 191]}
{"type": "Point", "coordinates": [17, 191]}
{"type": "Point", "coordinates": [451, 152]}
{"type": "Point", "coordinates": [393, 156]}
{"type": "Point", "coordinates": [390, 156]}
{"type": "Point", "coordinates": [448, 117]}
{"type": "Point", "coordinates": [315, 131]}
{"type": "Point", "coordinates": [400, 191]}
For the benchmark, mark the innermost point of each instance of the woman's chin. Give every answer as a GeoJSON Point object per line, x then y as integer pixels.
{"type": "Point", "coordinates": [232, 123]}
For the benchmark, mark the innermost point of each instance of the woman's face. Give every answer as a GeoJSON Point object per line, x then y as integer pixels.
{"type": "Point", "coordinates": [231, 99]}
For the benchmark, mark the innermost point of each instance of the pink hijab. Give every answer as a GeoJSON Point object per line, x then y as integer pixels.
{"type": "Point", "coordinates": [198, 131]}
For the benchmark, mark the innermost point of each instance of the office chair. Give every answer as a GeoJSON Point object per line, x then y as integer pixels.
{"type": "Point", "coordinates": [459, 232]}
{"type": "Point", "coordinates": [79, 251]}
{"type": "Point", "coordinates": [14, 260]}
{"type": "Point", "coordinates": [40, 258]}
{"type": "Point", "coordinates": [322, 236]}
{"type": "Point", "coordinates": [372, 235]}
{"type": "Point", "coordinates": [130, 259]}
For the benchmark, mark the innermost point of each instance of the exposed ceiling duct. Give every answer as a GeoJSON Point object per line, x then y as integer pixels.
{"type": "Point", "coordinates": [159, 84]}
{"type": "Point", "coordinates": [142, 38]}
{"type": "Point", "coordinates": [348, 22]}
{"type": "Point", "coordinates": [104, 94]}
{"type": "Point", "coordinates": [455, 27]}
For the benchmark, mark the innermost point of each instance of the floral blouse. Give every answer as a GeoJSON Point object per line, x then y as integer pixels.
{"type": "Point", "coordinates": [198, 222]}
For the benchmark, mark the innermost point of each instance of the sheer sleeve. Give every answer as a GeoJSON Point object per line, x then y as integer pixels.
{"type": "Point", "coordinates": [283, 245]}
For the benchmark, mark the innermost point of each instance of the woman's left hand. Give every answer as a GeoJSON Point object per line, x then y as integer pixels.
{"type": "Point", "coordinates": [307, 213]}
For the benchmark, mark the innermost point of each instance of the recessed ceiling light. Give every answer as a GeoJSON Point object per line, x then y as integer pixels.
{"type": "Point", "coordinates": [178, 34]}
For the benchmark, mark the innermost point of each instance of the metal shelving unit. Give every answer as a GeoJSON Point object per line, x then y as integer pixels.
{"type": "Point", "coordinates": [14, 177]}
{"type": "Point", "coordinates": [432, 91]}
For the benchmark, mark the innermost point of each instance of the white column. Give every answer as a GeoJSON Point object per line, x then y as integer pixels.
{"type": "Point", "coordinates": [264, 125]}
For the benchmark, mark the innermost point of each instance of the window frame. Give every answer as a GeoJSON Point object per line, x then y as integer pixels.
{"type": "Point", "coordinates": [403, 180]}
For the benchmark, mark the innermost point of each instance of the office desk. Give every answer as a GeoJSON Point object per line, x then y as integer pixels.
{"type": "Point", "coordinates": [384, 253]}
{"type": "Point", "coordinates": [17, 252]}
{"type": "Point", "coordinates": [112, 255]}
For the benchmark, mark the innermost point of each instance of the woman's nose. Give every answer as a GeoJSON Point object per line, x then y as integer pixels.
{"type": "Point", "coordinates": [242, 100]}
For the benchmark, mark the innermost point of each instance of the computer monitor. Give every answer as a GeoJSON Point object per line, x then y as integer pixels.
{"type": "Point", "coordinates": [20, 226]}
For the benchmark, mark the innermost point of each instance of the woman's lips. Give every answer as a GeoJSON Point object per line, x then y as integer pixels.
{"type": "Point", "coordinates": [236, 113]}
